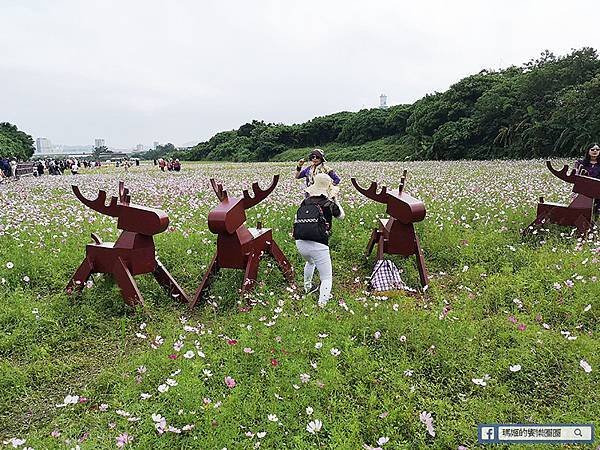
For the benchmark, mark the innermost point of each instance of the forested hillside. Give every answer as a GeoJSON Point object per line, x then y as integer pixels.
{"type": "Point", "coordinates": [546, 107]}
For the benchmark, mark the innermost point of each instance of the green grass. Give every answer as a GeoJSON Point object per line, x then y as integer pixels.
{"type": "Point", "coordinates": [397, 356]}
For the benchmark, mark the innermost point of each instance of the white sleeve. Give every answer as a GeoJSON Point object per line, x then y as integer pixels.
{"type": "Point", "coordinates": [342, 213]}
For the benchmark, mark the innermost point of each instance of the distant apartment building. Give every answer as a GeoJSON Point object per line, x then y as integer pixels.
{"type": "Point", "coordinates": [154, 145]}
{"type": "Point", "coordinates": [43, 145]}
{"type": "Point", "coordinates": [99, 143]}
{"type": "Point", "coordinates": [139, 148]}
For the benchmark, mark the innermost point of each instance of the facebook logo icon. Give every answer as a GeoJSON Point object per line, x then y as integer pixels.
{"type": "Point", "coordinates": [487, 434]}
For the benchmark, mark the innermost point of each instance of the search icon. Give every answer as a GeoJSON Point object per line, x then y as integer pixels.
{"type": "Point", "coordinates": [577, 432]}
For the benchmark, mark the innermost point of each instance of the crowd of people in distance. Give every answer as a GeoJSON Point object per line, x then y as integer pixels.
{"type": "Point", "coordinates": [168, 164]}
{"type": "Point", "coordinates": [55, 166]}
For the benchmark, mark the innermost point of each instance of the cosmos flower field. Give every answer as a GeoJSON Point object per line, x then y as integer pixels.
{"type": "Point", "coordinates": [508, 331]}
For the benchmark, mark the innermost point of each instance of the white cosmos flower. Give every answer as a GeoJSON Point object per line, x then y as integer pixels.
{"type": "Point", "coordinates": [314, 426]}
{"type": "Point", "coordinates": [309, 410]}
{"type": "Point", "coordinates": [585, 366]}
{"type": "Point", "coordinates": [515, 368]}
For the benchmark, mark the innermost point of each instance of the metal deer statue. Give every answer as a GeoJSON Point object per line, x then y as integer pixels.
{"type": "Point", "coordinates": [132, 254]}
{"type": "Point", "coordinates": [239, 247]}
{"type": "Point", "coordinates": [579, 213]}
{"type": "Point", "coordinates": [396, 235]}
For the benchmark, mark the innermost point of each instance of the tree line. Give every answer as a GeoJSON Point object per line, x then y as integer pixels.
{"type": "Point", "coordinates": [546, 107]}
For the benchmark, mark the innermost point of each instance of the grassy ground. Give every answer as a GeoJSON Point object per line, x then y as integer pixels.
{"type": "Point", "coordinates": [366, 366]}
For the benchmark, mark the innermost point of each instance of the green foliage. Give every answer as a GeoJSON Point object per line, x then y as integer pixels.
{"type": "Point", "coordinates": [544, 108]}
{"type": "Point", "coordinates": [15, 143]}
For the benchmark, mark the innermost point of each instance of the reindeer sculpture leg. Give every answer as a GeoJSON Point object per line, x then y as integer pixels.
{"type": "Point", "coordinates": [372, 241]}
{"type": "Point", "coordinates": [165, 279]}
{"type": "Point", "coordinates": [213, 268]}
{"type": "Point", "coordinates": [380, 246]}
{"type": "Point", "coordinates": [583, 224]}
{"type": "Point", "coordinates": [251, 272]}
{"type": "Point", "coordinates": [421, 264]}
{"type": "Point", "coordinates": [282, 261]}
{"type": "Point", "coordinates": [127, 284]}
{"type": "Point", "coordinates": [81, 276]}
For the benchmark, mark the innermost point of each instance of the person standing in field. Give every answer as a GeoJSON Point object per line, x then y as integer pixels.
{"type": "Point", "coordinates": [317, 159]}
{"type": "Point", "coordinates": [589, 166]}
{"type": "Point", "coordinates": [312, 228]}
{"type": "Point", "coordinates": [13, 167]}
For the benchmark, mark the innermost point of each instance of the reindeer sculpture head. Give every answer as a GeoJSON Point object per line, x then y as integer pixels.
{"type": "Point", "coordinates": [230, 214]}
{"type": "Point", "coordinates": [131, 217]}
{"type": "Point", "coordinates": [400, 205]}
{"type": "Point", "coordinates": [588, 186]}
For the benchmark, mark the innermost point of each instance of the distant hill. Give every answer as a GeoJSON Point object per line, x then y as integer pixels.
{"type": "Point", "coordinates": [548, 106]}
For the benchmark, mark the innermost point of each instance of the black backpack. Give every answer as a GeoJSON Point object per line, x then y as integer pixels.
{"type": "Point", "coordinates": [310, 223]}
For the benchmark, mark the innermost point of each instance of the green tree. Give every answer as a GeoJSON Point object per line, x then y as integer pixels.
{"type": "Point", "coordinates": [15, 143]}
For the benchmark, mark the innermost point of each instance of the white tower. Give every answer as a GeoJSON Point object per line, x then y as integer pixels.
{"type": "Point", "coordinates": [383, 101]}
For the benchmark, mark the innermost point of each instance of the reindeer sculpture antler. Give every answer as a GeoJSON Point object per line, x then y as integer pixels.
{"type": "Point", "coordinates": [259, 194]}
{"type": "Point", "coordinates": [371, 192]}
{"type": "Point", "coordinates": [134, 218]}
{"type": "Point", "coordinates": [588, 186]}
{"type": "Point", "coordinates": [218, 188]}
{"type": "Point", "coordinates": [99, 204]}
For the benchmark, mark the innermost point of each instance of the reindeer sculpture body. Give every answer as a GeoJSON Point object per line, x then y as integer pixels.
{"type": "Point", "coordinates": [396, 235]}
{"type": "Point", "coordinates": [239, 247]}
{"type": "Point", "coordinates": [132, 254]}
{"type": "Point", "coordinates": [579, 213]}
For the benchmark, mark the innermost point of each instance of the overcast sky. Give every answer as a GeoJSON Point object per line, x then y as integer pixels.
{"type": "Point", "coordinates": [177, 71]}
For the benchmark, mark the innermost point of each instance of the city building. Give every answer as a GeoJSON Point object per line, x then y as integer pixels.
{"type": "Point", "coordinates": [139, 148]}
{"type": "Point", "coordinates": [44, 146]}
{"type": "Point", "coordinates": [99, 143]}
{"type": "Point", "coordinates": [154, 145]}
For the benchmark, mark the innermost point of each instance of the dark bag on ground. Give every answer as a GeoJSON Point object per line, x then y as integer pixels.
{"type": "Point", "coordinates": [310, 223]}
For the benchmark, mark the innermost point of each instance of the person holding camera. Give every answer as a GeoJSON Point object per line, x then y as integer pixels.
{"type": "Point", "coordinates": [317, 159]}
{"type": "Point", "coordinates": [312, 228]}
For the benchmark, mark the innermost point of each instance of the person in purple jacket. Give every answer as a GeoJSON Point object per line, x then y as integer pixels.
{"type": "Point", "coordinates": [317, 158]}
{"type": "Point", "coordinates": [589, 165]}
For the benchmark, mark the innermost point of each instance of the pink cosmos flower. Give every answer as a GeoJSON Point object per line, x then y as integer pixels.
{"type": "Point", "coordinates": [230, 382]}
{"type": "Point", "coordinates": [124, 439]}
{"type": "Point", "coordinates": [521, 327]}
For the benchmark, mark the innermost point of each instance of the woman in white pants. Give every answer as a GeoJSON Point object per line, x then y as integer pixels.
{"type": "Point", "coordinates": [312, 227]}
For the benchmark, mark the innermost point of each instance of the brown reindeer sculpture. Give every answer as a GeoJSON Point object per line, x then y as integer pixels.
{"type": "Point", "coordinates": [579, 213]}
{"type": "Point", "coordinates": [396, 235]}
{"type": "Point", "coordinates": [239, 247]}
{"type": "Point", "coordinates": [132, 254]}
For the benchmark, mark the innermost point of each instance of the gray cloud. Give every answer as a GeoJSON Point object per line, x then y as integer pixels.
{"type": "Point", "coordinates": [138, 71]}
